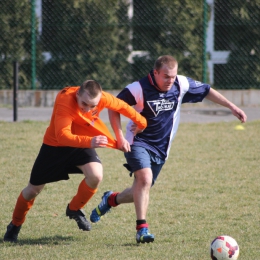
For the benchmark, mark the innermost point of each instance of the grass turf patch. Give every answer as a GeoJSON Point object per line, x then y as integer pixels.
{"type": "Point", "coordinates": [209, 186]}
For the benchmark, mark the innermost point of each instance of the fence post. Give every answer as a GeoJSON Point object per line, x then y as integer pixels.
{"type": "Point", "coordinates": [15, 90]}
{"type": "Point", "coordinates": [33, 42]}
{"type": "Point", "coordinates": [205, 24]}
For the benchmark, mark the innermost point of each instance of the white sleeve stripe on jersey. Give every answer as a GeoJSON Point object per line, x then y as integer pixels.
{"type": "Point", "coordinates": [137, 91]}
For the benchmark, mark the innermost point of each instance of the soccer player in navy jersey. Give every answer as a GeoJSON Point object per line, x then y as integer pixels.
{"type": "Point", "coordinates": [157, 97]}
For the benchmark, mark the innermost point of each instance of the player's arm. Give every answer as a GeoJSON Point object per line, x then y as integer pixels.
{"type": "Point", "coordinates": [115, 121]}
{"type": "Point", "coordinates": [117, 107]}
{"type": "Point", "coordinates": [63, 123]}
{"type": "Point", "coordinates": [217, 98]}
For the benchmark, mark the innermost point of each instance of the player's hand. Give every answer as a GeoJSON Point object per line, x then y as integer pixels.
{"type": "Point", "coordinates": [135, 129]}
{"type": "Point", "coordinates": [123, 145]}
{"type": "Point", "coordinates": [240, 114]}
{"type": "Point", "coordinates": [99, 141]}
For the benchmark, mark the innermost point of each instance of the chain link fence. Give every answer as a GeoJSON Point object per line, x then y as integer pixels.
{"type": "Point", "coordinates": [60, 43]}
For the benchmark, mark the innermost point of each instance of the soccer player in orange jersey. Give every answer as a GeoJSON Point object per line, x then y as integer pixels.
{"type": "Point", "coordinates": [69, 144]}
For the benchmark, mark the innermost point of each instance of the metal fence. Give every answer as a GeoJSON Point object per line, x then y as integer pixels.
{"type": "Point", "coordinates": [60, 43]}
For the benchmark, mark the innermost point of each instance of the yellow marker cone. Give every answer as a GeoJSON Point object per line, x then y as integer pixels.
{"type": "Point", "coordinates": [239, 127]}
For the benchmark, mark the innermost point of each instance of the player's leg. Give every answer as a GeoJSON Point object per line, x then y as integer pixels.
{"type": "Point", "coordinates": [144, 180]}
{"type": "Point", "coordinates": [111, 199]}
{"type": "Point", "coordinates": [139, 162]}
{"type": "Point", "coordinates": [125, 196]}
{"type": "Point", "coordinates": [93, 172]}
{"type": "Point", "coordinates": [139, 194]}
{"type": "Point", "coordinates": [23, 205]}
{"type": "Point", "coordinates": [137, 159]}
{"type": "Point", "coordinates": [26, 198]}
{"type": "Point", "coordinates": [141, 189]}
{"type": "Point", "coordinates": [31, 191]}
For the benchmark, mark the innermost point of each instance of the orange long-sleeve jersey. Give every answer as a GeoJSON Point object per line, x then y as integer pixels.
{"type": "Point", "coordinates": [70, 127]}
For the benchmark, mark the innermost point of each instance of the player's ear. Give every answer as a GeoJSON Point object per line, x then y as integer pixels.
{"type": "Point", "coordinates": [155, 72]}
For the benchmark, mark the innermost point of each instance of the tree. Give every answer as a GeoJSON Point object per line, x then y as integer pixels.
{"type": "Point", "coordinates": [237, 29]}
{"type": "Point", "coordinates": [169, 27]}
{"type": "Point", "coordinates": [85, 40]}
{"type": "Point", "coordinates": [15, 44]}
{"type": "Point", "coordinates": [14, 29]}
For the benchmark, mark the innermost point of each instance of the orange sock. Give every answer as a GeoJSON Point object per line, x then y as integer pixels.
{"type": "Point", "coordinates": [21, 208]}
{"type": "Point", "coordinates": [84, 194]}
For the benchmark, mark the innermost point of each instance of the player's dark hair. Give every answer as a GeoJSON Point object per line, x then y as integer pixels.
{"type": "Point", "coordinates": [92, 86]}
{"type": "Point", "coordinates": [168, 60]}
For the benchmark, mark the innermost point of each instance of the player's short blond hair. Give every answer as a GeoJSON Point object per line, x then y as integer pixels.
{"type": "Point", "coordinates": [168, 60]}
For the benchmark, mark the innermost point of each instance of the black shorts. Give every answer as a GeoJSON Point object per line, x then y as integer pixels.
{"type": "Point", "coordinates": [55, 163]}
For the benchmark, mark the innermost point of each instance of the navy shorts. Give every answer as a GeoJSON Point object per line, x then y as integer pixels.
{"type": "Point", "coordinates": [140, 158]}
{"type": "Point", "coordinates": [55, 163]}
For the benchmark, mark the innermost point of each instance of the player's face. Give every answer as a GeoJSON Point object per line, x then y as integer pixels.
{"type": "Point", "coordinates": [165, 77]}
{"type": "Point", "coordinates": [86, 103]}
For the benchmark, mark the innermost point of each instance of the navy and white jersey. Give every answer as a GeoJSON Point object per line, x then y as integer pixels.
{"type": "Point", "coordinates": [161, 110]}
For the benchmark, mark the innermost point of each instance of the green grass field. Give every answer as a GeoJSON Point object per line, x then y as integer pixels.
{"type": "Point", "coordinates": [209, 186]}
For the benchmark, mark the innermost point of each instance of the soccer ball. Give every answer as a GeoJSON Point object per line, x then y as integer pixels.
{"type": "Point", "coordinates": [224, 248]}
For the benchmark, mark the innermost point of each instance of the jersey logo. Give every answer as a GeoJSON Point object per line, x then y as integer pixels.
{"type": "Point", "coordinates": [160, 105]}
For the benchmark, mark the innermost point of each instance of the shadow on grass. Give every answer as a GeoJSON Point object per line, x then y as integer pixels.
{"type": "Point", "coordinates": [131, 244]}
{"type": "Point", "coordinates": [58, 240]}
{"type": "Point", "coordinates": [134, 244]}
{"type": "Point", "coordinates": [51, 240]}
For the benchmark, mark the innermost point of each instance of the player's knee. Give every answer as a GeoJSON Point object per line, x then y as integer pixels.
{"type": "Point", "coordinates": [98, 177]}
{"type": "Point", "coordinates": [31, 191]}
{"type": "Point", "coordinates": [147, 182]}
{"type": "Point", "coordinates": [144, 179]}
{"type": "Point", "coordinates": [94, 179]}
{"type": "Point", "coordinates": [93, 173]}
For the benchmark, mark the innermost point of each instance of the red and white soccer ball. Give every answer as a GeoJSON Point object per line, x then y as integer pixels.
{"type": "Point", "coordinates": [224, 248]}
